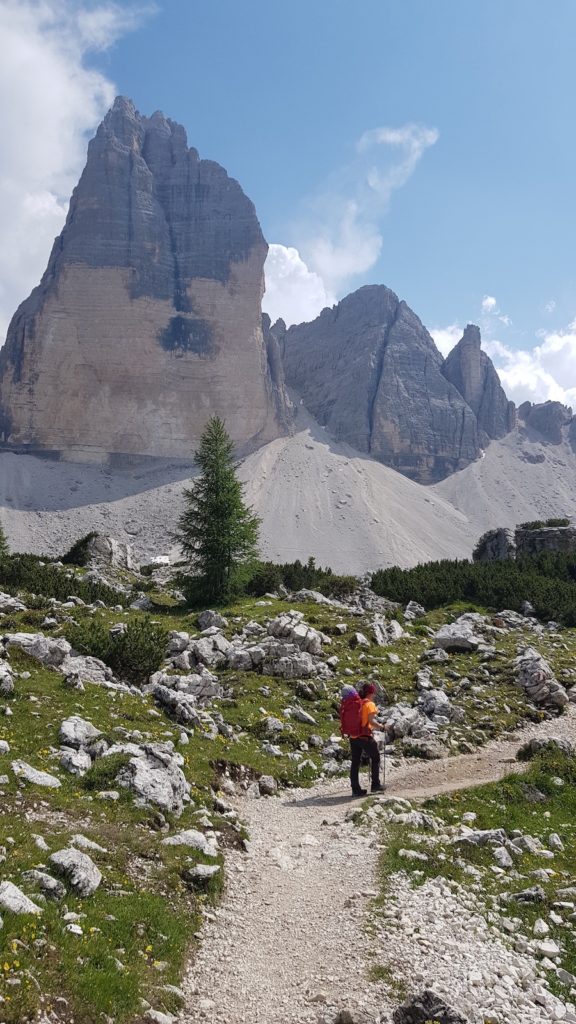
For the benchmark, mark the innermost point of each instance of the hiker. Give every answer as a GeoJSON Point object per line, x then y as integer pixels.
{"type": "Point", "coordinates": [358, 721]}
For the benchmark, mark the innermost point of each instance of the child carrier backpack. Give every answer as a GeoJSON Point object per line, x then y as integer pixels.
{"type": "Point", "coordinates": [351, 716]}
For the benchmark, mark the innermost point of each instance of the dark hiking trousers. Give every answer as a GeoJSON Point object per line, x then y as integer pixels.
{"type": "Point", "coordinates": [364, 745]}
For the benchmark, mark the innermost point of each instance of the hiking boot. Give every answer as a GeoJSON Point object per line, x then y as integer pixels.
{"type": "Point", "coordinates": [377, 789]}
{"type": "Point", "coordinates": [359, 792]}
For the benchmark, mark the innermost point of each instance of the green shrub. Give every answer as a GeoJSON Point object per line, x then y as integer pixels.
{"type": "Point", "coordinates": [138, 652]}
{"type": "Point", "coordinates": [78, 553]}
{"type": "Point", "coordinates": [102, 774]}
{"type": "Point", "coordinates": [91, 637]}
{"type": "Point", "coordinates": [547, 580]}
{"type": "Point", "coordinates": [338, 586]}
{"type": "Point", "coordinates": [269, 576]}
{"type": "Point", "coordinates": [37, 575]}
{"type": "Point", "coordinates": [546, 750]}
{"type": "Point", "coordinates": [133, 655]}
{"type": "Point", "coordinates": [539, 524]}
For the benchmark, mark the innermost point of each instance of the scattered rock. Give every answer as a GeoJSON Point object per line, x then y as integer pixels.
{"type": "Point", "coordinates": [291, 626]}
{"type": "Point", "coordinates": [108, 552]}
{"type": "Point", "coordinates": [78, 869]}
{"type": "Point", "coordinates": [77, 732]}
{"type": "Point", "coordinates": [154, 775]}
{"type": "Point", "coordinates": [537, 746]}
{"type": "Point", "coordinates": [33, 775]}
{"type": "Point", "coordinates": [47, 650]}
{"type": "Point", "coordinates": [359, 640]}
{"type": "Point", "coordinates": [11, 604]}
{"type": "Point", "coordinates": [267, 785]}
{"type": "Point", "coordinates": [211, 618]}
{"type": "Point", "coordinates": [13, 900]}
{"type": "Point", "coordinates": [196, 840]}
{"type": "Point", "coordinates": [413, 610]}
{"type": "Point", "coordinates": [460, 635]}
{"type": "Point", "coordinates": [536, 678]}
{"type": "Point", "coordinates": [49, 886]}
{"type": "Point", "coordinates": [77, 762]}
{"type": "Point", "coordinates": [200, 872]}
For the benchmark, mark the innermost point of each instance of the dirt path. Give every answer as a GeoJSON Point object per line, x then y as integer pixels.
{"type": "Point", "coordinates": [290, 933]}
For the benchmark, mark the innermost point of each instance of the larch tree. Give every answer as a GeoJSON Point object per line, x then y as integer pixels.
{"type": "Point", "coordinates": [218, 533]}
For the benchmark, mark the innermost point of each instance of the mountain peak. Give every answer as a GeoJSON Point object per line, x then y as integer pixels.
{"type": "Point", "coordinates": [471, 336]}
{"type": "Point", "coordinates": [472, 372]}
{"type": "Point", "coordinates": [123, 105]}
{"type": "Point", "coordinates": [370, 372]}
{"type": "Point", "coordinates": [548, 419]}
{"type": "Point", "coordinates": [161, 253]}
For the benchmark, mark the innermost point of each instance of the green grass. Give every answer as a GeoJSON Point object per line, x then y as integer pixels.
{"type": "Point", "coordinates": [142, 901]}
{"type": "Point", "coordinates": [160, 910]}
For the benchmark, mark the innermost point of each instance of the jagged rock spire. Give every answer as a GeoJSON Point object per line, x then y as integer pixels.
{"type": "Point", "coordinates": [472, 372]}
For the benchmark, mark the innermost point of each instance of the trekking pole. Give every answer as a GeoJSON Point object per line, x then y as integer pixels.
{"type": "Point", "coordinates": [384, 763]}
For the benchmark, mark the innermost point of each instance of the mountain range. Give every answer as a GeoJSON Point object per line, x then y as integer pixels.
{"type": "Point", "coordinates": [354, 428]}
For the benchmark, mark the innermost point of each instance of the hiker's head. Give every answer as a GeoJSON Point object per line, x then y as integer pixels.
{"type": "Point", "coordinates": [347, 691]}
{"type": "Point", "coordinates": [367, 690]}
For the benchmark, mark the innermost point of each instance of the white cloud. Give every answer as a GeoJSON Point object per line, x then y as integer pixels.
{"type": "Point", "coordinates": [342, 236]}
{"type": "Point", "coordinates": [489, 308]}
{"type": "Point", "coordinates": [340, 233]}
{"type": "Point", "coordinates": [489, 304]}
{"type": "Point", "coordinates": [546, 372]}
{"type": "Point", "coordinates": [293, 292]}
{"type": "Point", "coordinates": [550, 306]}
{"type": "Point", "coordinates": [52, 101]}
{"type": "Point", "coordinates": [447, 337]}
{"type": "Point", "coordinates": [412, 140]}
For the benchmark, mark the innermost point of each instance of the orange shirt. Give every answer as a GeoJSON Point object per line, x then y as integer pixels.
{"type": "Point", "coordinates": [368, 708]}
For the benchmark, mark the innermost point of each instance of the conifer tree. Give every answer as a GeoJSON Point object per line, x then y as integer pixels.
{"type": "Point", "coordinates": [4, 552]}
{"type": "Point", "coordinates": [218, 533]}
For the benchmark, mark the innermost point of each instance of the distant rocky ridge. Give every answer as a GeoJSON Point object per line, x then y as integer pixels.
{"type": "Point", "coordinates": [551, 420]}
{"type": "Point", "coordinates": [501, 543]}
{"type": "Point", "coordinates": [148, 317]}
{"type": "Point", "coordinates": [371, 373]}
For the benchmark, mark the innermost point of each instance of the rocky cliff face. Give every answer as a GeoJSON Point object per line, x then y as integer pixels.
{"type": "Point", "coordinates": [511, 544]}
{"type": "Point", "coordinates": [549, 420]}
{"type": "Point", "coordinates": [471, 371]}
{"type": "Point", "coordinates": [496, 545]}
{"type": "Point", "coordinates": [147, 320]}
{"type": "Point", "coordinates": [371, 373]}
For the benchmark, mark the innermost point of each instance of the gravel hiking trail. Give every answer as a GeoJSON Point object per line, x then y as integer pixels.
{"type": "Point", "coordinates": [290, 937]}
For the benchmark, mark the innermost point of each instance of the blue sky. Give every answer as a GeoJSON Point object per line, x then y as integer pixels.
{"type": "Point", "coordinates": [424, 144]}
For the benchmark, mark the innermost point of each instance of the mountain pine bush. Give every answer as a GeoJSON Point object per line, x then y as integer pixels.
{"type": "Point", "coordinates": [36, 575]}
{"type": "Point", "coordinates": [547, 580]}
{"type": "Point", "coordinates": [133, 655]}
